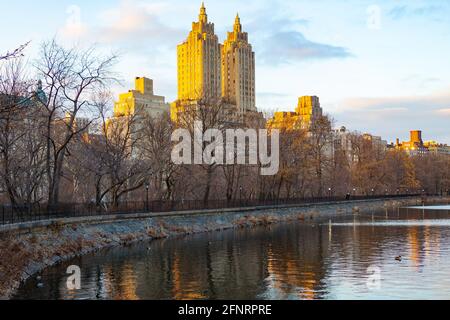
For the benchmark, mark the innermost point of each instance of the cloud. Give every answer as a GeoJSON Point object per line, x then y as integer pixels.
{"type": "Point", "coordinates": [290, 46]}
{"type": "Point", "coordinates": [393, 117]}
{"type": "Point", "coordinates": [399, 12]}
{"type": "Point", "coordinates": [135, 20]}
{"type": "Point", "coordinates": [132, 23]}
{"type": "Point", "coordinates": [444, 112]}
{"type": "Point", "coordinates": [74, 28]}
{"type": "Point", "coordinates": [282, 39]}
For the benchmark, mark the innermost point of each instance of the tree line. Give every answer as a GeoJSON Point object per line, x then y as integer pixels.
{"type": "Point", "coordinates": [49, 156]}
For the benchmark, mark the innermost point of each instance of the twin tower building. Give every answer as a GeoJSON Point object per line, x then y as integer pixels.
{"type": "Point", "coordinates": [213, 71]}
{"type": "Point", "coordinates": [210, 71]}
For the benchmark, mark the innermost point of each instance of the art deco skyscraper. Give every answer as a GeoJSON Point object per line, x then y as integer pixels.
{"type": "Point", "coordinates": [199, 62]}
{"type": "Point", "coordinates": [238, 70]}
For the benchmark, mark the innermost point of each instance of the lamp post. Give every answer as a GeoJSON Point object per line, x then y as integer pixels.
{"type": "Point", "coordinates": [373, 192]}
{"type": "Point", "coordinates": [147, 188]}
{"type": "Point", "coordinates": [240, 194]}
{"type": "Point", "coordinates": [330, 192]}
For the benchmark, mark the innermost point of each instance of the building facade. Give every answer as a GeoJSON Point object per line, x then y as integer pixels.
{"type": "Point", "coordinates": [309, 110]}
{"type": "Point", "coordinates": [212, 73]}
{"type": "Point", "coordinates": [238, 70]}
{"type": "Point", "coordinates": [199, 62]}
{"type": "Point", "coordinates": [141, 101]}
{"type": "Point", "coordinates": [414, 146]}
{"type": "Point", "coordinates": [284, 121]}
{"type": "Point", "coordinates": [436, 148]}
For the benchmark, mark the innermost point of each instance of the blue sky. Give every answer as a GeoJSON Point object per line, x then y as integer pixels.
{"type": "Point", "coordinates": [378, 66]}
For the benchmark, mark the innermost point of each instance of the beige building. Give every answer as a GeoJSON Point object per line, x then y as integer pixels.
{"type": "Point", "coordinates": [141, 101]}
{"type": "Point", "coordinates": [199, 62]}
{"type": "Point", "coordinates": [210, 71]}
{"type": "Point", "coordinates": [132, 108]}
{"type": "Point", "coordinates": [238, 70]}
{"type": "Point", "coordinates": [284, 120]}
{"type": "Point", "coordinates": [435, 147]}
{"type": "Point", "coordinates": [309, 110]}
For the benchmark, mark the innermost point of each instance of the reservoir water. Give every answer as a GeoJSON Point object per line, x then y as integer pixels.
{"type": "Point", "coordinates": [394, 254]}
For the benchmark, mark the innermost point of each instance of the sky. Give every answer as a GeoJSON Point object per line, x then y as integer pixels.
{"type": "Point", "coordinates": [379, 66]}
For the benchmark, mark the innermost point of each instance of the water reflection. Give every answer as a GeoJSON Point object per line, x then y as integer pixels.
{"type": "Point", "coordinates": [291, 261]}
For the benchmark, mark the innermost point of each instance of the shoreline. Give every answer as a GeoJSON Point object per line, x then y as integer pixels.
{"type": "Point", "coordinates": [27, 249]}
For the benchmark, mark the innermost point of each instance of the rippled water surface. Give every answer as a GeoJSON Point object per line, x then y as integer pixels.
{"type": "Point", "coordinates": [331, 260]}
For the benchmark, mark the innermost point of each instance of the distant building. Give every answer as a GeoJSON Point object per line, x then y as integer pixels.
{"type": "Point", "coordinates": [286, 121]}
{"type": "Point", "coordinates": [307, 112]}
{"type": "Point", "coordinates": [377, 141]}
{"type": "Point", "coordinates": [342, 141]}
{"type": "Point", "coordinates": [437, 148]}
{"type": "Point", "coordinates": [414, 146]}
{"type": "Point", "coordinates": [141, 101]}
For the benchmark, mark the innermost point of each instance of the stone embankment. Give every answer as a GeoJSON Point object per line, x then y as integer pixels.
{"type": "Point", "coordinates": [28, 248]}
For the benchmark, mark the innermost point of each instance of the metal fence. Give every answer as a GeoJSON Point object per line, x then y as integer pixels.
{"type": "Point", "coordinates": [37, 212]}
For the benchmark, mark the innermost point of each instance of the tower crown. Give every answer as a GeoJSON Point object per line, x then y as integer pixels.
{"type": "Point", "coordinates": [237, 24]}
{"type": "Point", "coordinates": [203, 17]}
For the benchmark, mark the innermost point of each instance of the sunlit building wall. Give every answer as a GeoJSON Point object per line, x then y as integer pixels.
{"type": "Point", "coordinates": [414, 146]}
{"type": "Point", "coordinates": [285, 121]}
{"type": "Point", "coordinates": [141, 101]}
{"type": "Point", "coordinates": [238, 70]}
{"type": "Point", "coordinates": [309, 110]}
{"type": "Point", "coordinates": [199, 62]}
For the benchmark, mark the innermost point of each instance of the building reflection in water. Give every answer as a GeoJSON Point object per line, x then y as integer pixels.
{"type": "Point", "coordinates": [288, 261]}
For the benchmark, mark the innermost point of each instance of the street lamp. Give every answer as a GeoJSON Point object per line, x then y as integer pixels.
{"type": "Point", "coordinates": [147, 188]}
{"type": "Point", "coordinates": [330, 191]}
{"type": "Point", "coordinates": [240, 193]}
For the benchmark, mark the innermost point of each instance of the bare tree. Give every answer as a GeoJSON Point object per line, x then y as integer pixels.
{"type": "Point", "coordinates": [155, 146]}
{"type": "Point", "coordinates": [320, 151]}
{"type": "Point", "coordinates": [71, 77]}
{"type": "Point", "coordinates": [113, 158]}
{"type": "Point", "coordinates": [16, 53]}
{"type": "Point", "coordinates": [208, 113]}
{"type": "Point", "coordinates": [21, 143]}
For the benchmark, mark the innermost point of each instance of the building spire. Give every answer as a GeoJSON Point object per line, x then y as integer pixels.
{"type": "Point", "coordinates": [203, 17]}
{"type": "Point", "coordinates": [237, 24]}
